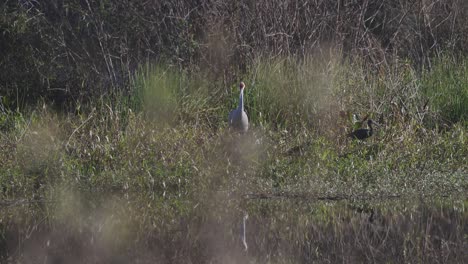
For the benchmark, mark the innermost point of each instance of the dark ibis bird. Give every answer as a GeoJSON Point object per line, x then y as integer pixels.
{"type": "Point", "coordinates": [363, 133]}
{"type": "Point", "coordinates": [238, 119]}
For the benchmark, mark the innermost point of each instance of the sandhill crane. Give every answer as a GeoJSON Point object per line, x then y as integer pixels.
{"type": "Point", "coordinates": [363, 133]}
{"type": "Point", "coordinates": [238, 118]}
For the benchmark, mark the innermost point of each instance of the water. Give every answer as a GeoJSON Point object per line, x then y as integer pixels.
{"type": "Point", "coordinates": [134, 228]}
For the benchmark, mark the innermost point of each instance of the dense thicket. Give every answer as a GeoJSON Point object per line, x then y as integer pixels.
{"type": "Point", "coordinates": [77, 48]}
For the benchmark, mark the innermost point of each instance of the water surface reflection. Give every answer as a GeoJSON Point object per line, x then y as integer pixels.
{"type": "Point", "coordinates": [134, 228]}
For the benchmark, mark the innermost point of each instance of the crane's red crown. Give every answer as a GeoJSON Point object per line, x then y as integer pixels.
{"type": "Point", "coordinates": [241, 85]}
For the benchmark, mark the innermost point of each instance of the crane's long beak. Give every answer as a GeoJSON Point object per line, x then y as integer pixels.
{"type": "Point", "coordinates": [241, 85]}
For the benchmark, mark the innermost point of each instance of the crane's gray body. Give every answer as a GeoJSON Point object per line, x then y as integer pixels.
{"type": "Point", "coordinates": [238, 119]}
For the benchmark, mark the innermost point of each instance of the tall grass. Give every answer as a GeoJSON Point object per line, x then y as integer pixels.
{"type": "Point", "coordinates": [167, 141]}
{"type": "Point", "coordinates": [286, 93]}
{"type": "Point", "coordinates": [446, 87]}
{"type": "Point", "coordinates": [173, 121]}
{"type": "Point", "coordinates": [99, 52]}
{"type": "Point", "coordinates": [152, 138]}
{"type": "Point", "coordinates": [155, 89]}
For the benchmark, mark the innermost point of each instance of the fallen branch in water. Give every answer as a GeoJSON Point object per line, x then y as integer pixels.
{"type": "Point", "coordinates": [311, 197]}
{"type": "Point", "coordinates": [18, 202]}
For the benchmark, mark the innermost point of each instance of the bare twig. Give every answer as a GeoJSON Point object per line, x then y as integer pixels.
{"type": "Point", "coordinates": [80, 126]}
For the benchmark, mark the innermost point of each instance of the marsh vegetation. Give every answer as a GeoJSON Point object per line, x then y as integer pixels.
{"type": "Point", "coordinates": [115, 146]}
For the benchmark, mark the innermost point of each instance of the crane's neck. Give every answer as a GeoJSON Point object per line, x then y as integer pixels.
{"type": "Point", "coordinates": [241, 100]}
